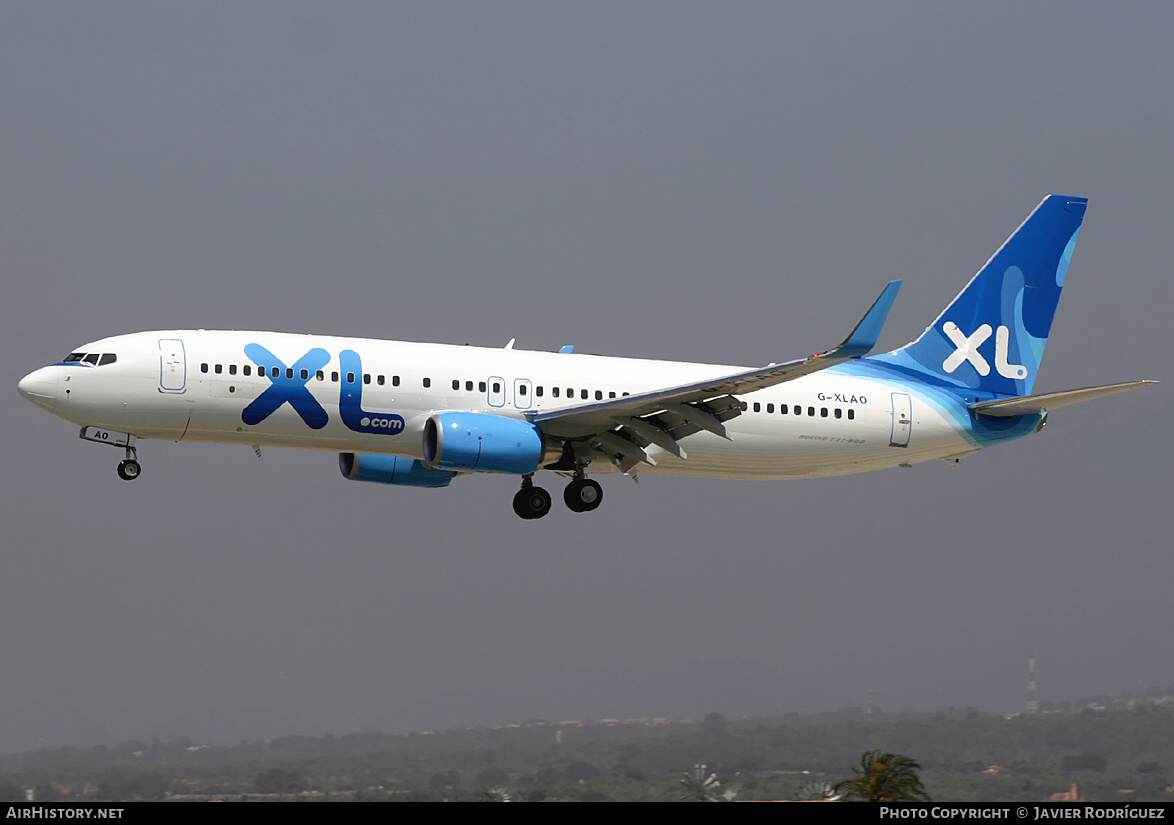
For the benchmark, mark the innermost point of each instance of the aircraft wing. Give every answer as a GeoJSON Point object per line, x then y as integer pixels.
{"type": "Point", "coordinates": [1028, 404]}
{"type": "Point", "coordinates": [622, 428]}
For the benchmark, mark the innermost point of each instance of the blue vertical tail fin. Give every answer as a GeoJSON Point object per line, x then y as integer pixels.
{"type": "Point", "coordinates": [992, 337]}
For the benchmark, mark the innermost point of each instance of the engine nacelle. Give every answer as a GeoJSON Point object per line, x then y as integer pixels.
{"type": "Point", "coordinates": [391, 469]}
{"type": "Point", "coordinates": [481, 442]}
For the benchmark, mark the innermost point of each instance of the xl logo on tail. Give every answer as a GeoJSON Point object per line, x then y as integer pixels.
{"type": "Point", "coordinates": [966, 349]}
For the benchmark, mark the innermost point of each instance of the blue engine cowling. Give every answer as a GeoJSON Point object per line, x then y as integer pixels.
{"type": "Point", "coordinates": [390, 469]}
{"type": "Point", "coordinates": [483, 443]}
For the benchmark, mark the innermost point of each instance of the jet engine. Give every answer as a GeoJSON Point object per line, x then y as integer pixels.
{"type": "Point", "coordinates": [391, 469]}
{"type": "Point", "coordinates": [483, 443]}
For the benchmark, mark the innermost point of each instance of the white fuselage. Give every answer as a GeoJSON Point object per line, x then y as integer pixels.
{"type": "Point", "coordinates": [191, 385]}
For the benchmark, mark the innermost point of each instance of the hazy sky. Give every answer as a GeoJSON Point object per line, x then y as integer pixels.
{"type": "Point", "coordinates": [726, 182]}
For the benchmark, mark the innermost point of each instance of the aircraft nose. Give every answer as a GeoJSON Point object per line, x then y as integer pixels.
{"type": "Point", "coordinates": [40, 387]}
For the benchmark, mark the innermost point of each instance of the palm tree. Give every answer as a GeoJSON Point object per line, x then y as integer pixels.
{"type": "Point", "coordinates": [700, 786]}
{"type": "Point", "coordinates": [884, 777]}
{"type": "Point", "coordinates": [817, 791]}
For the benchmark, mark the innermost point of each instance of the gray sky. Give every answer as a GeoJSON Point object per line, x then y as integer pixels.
{"type": "Point", "coordinates": [708, 182]}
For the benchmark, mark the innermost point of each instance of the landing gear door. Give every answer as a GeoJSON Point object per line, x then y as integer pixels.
{"type": "Point", "coordinates": [902, 420]}
{"type": "Point", "coordinates": [172, 365]}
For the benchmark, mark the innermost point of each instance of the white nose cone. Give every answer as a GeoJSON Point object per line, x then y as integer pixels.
{"type": "Point", "coordinates": [40, 387]}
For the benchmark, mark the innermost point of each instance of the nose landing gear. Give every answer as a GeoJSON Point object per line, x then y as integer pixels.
{"type": "Point", "coordinates": [128, 468]}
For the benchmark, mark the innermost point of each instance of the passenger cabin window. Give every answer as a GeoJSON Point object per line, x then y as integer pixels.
{"type": "Point", "coordinates": [366, 378]}
{"type": "Point", "coordinates": [481, 386]}
{"type": "Point", "coordinates": [851, 415]}
{"type": "Point", "coordinates": [468, 386]}
{"type": "Point", "coordinates": [521, 389]}
{"type": "Point", "coordinates": [350, 378]}
{"type": "Point", "coordinates": [276, 372]}
{"type": "Point", "coordinates": [247, 370]}
{"type": "Point", "coordinates": [583, 394]}
{"type": "Point", "coordinates": [203, 367]}
{"type": "Point", "coordinates": [321, 376]}
{"type": "Point", "coordinates": [379, 380]}
{"type": "Point", "coordinates": [599, 395]}
{"type": "Point", "coordinates": [427, 382]}
{"type": "Point", "coordinates": [395, 380]}
{"type": "Point", "coordinates": [554, 391]}
{"type": "Point", "coordinates": [456, 385]}
{"type": "Point", "coordinates": [334, 377]}
{"type": "Point", "coordinates": [218, 368]}
{"type": "Point", "coordinates": [757, 407]}
{"type": "Point", "coordinates": [770, 408]}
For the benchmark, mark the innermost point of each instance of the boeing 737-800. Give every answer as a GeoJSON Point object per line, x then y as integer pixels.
{"type": "Point", "coordinates": [421, 414]}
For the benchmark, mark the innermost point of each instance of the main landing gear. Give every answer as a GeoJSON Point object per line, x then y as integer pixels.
{"type": "Point", "coordinates": [581, 496]}
{"type": "Point", "coordinates": [531, 502]}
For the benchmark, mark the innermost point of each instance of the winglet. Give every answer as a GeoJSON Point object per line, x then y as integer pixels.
{"type": "Point", "coordinates": [863, 338]}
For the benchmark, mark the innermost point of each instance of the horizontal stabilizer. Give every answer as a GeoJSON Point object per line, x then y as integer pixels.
{"type": "Point", "coordinates": [1028, 404]}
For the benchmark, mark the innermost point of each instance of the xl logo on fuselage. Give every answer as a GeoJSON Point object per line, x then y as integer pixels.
{"type": "Point", "coordinates": [289, 386]}
{"type": "Point", "coordinates": [966, 349]}
{"type": "Point", "coordinates": [350, 400]}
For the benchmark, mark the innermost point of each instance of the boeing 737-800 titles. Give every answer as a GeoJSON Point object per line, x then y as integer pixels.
{"type": "Point", "coordinates": [421, 414]}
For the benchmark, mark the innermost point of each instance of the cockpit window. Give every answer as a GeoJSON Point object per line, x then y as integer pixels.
{"type": "Point", "coordinates": [95, 359]}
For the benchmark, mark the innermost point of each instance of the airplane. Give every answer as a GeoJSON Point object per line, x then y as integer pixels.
{"type": "Point", "coordinates": [418, 415]}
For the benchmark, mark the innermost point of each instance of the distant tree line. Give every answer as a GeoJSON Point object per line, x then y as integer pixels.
{"type": "Point", "coordinates": [963, 755]}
